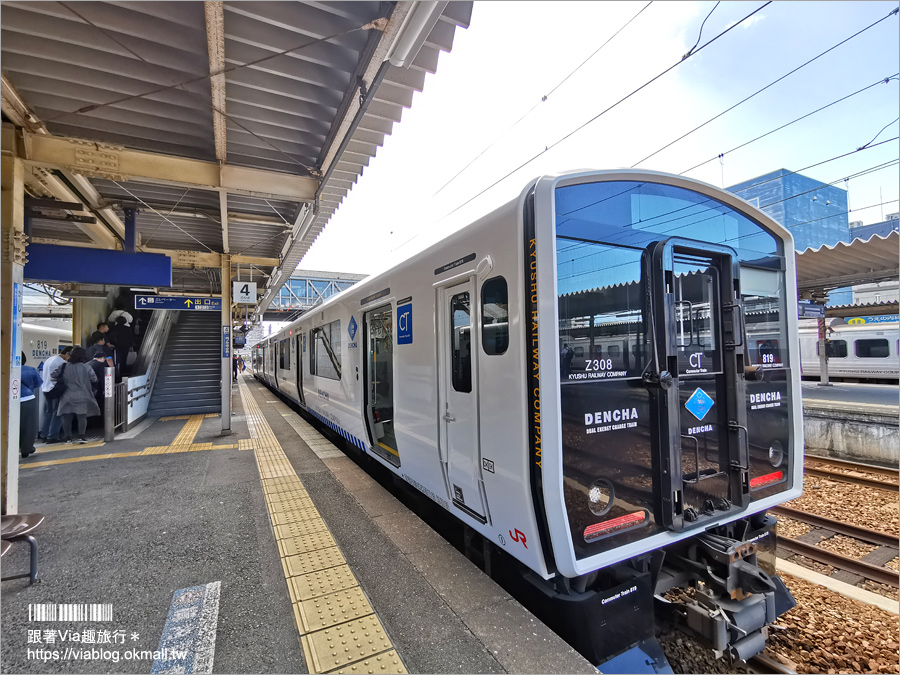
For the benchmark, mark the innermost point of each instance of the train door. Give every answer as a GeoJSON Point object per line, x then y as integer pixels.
{"type": "Point", "coordinates": [700, 404]}
{"type": "Point", "coordinates": [458, 400]}
{"type": "Point", "coordinates": [379, 383]}
{"type": "Point", "coordinates": [298, 347]}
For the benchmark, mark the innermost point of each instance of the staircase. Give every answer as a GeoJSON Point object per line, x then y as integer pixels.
{"type": "Point", "coordinates": [190, 375]}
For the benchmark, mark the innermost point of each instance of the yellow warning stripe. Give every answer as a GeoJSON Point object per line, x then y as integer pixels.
{"type": "Point", "coordinates": [339, 630]}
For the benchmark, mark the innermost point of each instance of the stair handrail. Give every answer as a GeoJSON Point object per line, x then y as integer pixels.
{"type": "Point", "coordinates": [146, 366]}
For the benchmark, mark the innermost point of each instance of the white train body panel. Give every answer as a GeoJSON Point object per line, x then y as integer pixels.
{"type": "Point", "coordinates": [863, 352]}
{"type": "Point", "coordinates": [41, 342]}
{"type": "Point", "coordinates": [496, 448]}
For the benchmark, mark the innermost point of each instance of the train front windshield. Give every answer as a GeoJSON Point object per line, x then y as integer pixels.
{"type": "Point", "coordinates": [674, 386]}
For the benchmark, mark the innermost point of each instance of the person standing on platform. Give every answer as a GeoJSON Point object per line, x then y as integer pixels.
{"type": "Point", "coordinates": [52, 422]}
{"type": "Point", "coordinates": [234, 367]}
{"type": "Point", "coordinates": [120, 335]}
{"type": "Point", "coordinates": [28, 409]}
{"type": "Point", "coordinates": [98, 365]}
{"type": "Point", "coordinates": [98, 346]}
{"type": "Point", "coordinates": [78, 400]}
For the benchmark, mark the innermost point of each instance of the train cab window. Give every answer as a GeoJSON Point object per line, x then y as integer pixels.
{"type": "Point", "coordinates": [872, 349]}
{"type": "Point", "coordinates": [460, 340]}
{"type": "Point", "coordinates": [601, 318]}
{"type": "Point", "coordinates": [325, 351]}
{"type": "Point", "coordinates": [834, 349]}
{"type": "Point", "coordinates": [494, 316]}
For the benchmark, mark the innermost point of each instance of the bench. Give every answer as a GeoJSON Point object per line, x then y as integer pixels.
{"type": "Point", "coordinates": [18, 527]}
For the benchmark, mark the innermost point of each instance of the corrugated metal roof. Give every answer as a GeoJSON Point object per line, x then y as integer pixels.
{"type": "Point", "coordinates": [304, 89]}
{"type": "Point", "coordinates": [860, 261]}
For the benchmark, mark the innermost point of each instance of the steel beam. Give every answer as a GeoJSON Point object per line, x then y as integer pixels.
{"type": "Point", "coordinates": [115, 162]}
{"type": "Point", "coordinates": [215, 45]}
{"type": "Point", "coordinates": [12, 255]}
{"type": "Point", "coordinates": [226, 338]}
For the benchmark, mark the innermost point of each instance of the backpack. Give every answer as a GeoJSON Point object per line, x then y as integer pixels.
{"type": "Point", "coordinates": [60, 387]}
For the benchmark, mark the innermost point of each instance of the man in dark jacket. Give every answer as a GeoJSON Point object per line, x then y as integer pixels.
{"type": "Point", "coordinates": [120, 335]}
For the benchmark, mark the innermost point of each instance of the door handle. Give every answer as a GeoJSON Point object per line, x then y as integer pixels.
{"type": "Point", "coordinates": [449, 418]}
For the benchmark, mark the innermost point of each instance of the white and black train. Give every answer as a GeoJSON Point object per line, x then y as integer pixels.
{"type": "Point", "coordinates": [601, 378]}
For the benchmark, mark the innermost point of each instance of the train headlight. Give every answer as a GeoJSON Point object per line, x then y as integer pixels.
{"type": "Point", "coordinates": [600, 497]}
{"type": "Point", "coordinates": [776, 453]}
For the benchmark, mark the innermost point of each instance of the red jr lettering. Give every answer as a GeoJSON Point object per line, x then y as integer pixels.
{"type": "Point", "coordinates": [518, 536]}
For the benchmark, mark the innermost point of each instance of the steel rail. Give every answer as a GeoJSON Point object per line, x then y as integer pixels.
{"type": "Point", "coordinates": [872, 572]}
{"type": "Point", "coordinates": [847, 478]}
{"type": "Point", "coordinates": [855, 466]}
{"type": "Point", "coordinates": [766, 664]}
{"type": "Point", "coordinates": [861, 533]}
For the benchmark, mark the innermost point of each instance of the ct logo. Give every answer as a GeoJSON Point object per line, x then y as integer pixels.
{"type": "Point", "coordinates": [696, 359]}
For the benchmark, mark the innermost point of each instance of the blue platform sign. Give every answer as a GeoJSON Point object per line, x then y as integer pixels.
{"type": "Point", "coordinates": [807, 310]}
{"type": "Point", "coordinates": [177, 302]}
{"type": "Point", "coordinates": [226, 342]}
{"type": "Point", "coordinates": [404, 325]}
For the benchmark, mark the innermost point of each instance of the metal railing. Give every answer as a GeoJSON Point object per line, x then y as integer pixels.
{"type": "Point", "coordinates": [121, 403]}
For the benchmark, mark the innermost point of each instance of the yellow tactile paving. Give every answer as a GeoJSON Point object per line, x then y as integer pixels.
{"type": "Point", "coordinates": [342, 645]}
{"type": "Point", "coordinates": [71, 460]}
{"type": "Point", "coordinates": [338, 627]}
{"type": "Point", "coordinates": [333, 609]}
{"type": "Point", "coordinates": [306, 543]}
{"type": "Point", "coordinates": [388, 662]}
{"type": "Point", "coordinates": [188, 431]}
{"type": "Point", "coordinates": [56, 447]}
{"type": "Point", "coordinates": [314, 584]}
{"type": "Point", "coordinates": [313, 561]}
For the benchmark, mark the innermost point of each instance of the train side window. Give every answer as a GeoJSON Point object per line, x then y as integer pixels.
{"type": "Point", "coordinates": [834, 349]}
{"type": "Point", "coordinates": [461, 342]}
{"type": "Point", "coordinates": [284, 355]}
{"type": "Point", "coordinates": [325, 351]}
{"type": "Point", "coordinates": [872, 349]}
{"type": "Point", "coordinates": [495, 316]}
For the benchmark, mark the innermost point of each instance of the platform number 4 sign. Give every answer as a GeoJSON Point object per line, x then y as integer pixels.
{"type": "Point", "coordinates": [243, 292]}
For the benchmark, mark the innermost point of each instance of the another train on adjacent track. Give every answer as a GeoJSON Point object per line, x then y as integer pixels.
{"type": "Point", "coordinates": [856, 353]}
{"type": "Point", "coordinates": [600, 378]}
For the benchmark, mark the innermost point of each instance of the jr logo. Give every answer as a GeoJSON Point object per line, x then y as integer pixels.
{"type": "Point", "coordinates": [518, 536]}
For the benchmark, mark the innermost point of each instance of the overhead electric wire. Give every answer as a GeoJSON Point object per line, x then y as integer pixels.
{"type": "Point", "coordinates": [759, 91]}
{"type": "Point", "coordinates": [783, 126]}
{"type": "Point", "coordinates": [700, 34]}
{"type": "Point", "coordinates": [842, 213]}
{"type": "Point", "coordinates": [613, 240]}
{"type": "Point", "coordinates": [603, 112]}
{"type": "Point", "coordinates": [544, 99]}
{"type": "Point", "coordinates": [879, 133]}
{"type": "Point", "coordinates": [171, 222]}
{"type": "Point", "coordinates": [743, 189]}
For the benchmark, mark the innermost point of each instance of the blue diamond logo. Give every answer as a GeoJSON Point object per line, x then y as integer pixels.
{"type": "Point", "coordinates": [351, 328]}
{"type": "Point", "coordinates": [699, 404]}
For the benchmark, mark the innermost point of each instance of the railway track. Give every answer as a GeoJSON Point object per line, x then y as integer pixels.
{"type": "Point", "coordinates": [835, 469]}
{"type": "Point", "coordinates": [866, 570]}
{"type": "Point", "coordinates": [766, 664]}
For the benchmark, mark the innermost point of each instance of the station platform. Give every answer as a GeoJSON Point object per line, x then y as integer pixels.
{"type": "Point", "coordinates": [267, 550]}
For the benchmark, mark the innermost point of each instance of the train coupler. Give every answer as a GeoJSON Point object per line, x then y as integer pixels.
{"type": "Point", "coordinates": [733, 600]}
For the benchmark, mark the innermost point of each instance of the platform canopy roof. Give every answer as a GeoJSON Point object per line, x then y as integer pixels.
{"type": "Point", "coordinates": [232, 127]}
{"type": "Point", "coordinates": [859, 262]}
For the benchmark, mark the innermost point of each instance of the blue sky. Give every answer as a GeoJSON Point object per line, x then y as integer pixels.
{"type": "Point", "coordinates": [516, 52]}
